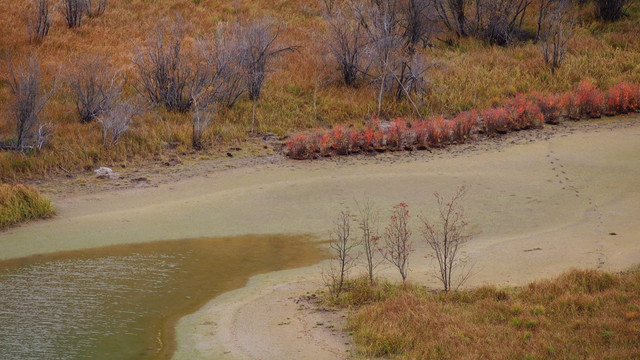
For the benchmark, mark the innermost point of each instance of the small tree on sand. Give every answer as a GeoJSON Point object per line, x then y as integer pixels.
{"type": "Point", "coordinates": [368, 224]}
{"type": "Point", "coordinates": [446, 237]}
{"type": "Point", "coordinates": [397, 240]}
{"type": "Point", "coordinates": [342, 246]}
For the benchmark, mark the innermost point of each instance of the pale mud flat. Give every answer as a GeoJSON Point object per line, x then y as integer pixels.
{"type": "Point", "coordinates": [570, 199]}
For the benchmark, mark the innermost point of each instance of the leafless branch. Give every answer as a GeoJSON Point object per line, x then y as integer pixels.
{"type": "Point", "coordinates": [343, 259]}
{"type": "Point", "coordinates": [73, 11]}
{"type": "Point", "coordinates": [95, 86]}
{"type": "Point", "coordinates": [397, 240]}
{"type": "Point", "coordinates": [39, 20]}
{"type": "Point", "coordinates": [446, 237]}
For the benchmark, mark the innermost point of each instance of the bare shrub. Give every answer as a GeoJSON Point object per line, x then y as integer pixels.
{"type": "Point", "coordinates": [368, 224]}
{"type": "Point", "coordinates": [94, 85]}
{"type": "Point", "coordinates": [201, 116]}
{"type": "Point", "coordinates": [611, 10]}
{"type": "Point", "coordinates": [453, 14]}
{"type": "Point", "coordinates": [343, 259]}
{"type": "Point", "coordinates": [382, 24]}
{"type": "Point", "coordinates": [43, 135]}
{"type": "Point", "coordinates": [555, 37]}
{"type": "Point", "coordinates": [546, 8]}
{"type": "Point", "coordinates": [223, 75]}
{"type": "Point", "coordinates": [115, 122]}
{"type": "Point", "coordinates": [259, 50]}
{"type": "Point", "coordinates": [28, 103]}
{"type": "Point", "coordinates": [73, 11]}
{"type": "Point", "coordinates": [397, 240]}
{"type": "Point", "coordinates": [347, 42]}
{"type": "Point", "coordinates": [412, 77]}
{"type": "Point", "coordinates": [419, 22]}
{"type": "Point", "coordinates": [446, 237]}
{"type": "Point", "coordinates": [39, 20]}
{"type": "Point", "coordinates": [95, 8]}
{"type": "Point", "coordinates": [500, 21]}
{"type": "Point", "coordinates": [165, 76]}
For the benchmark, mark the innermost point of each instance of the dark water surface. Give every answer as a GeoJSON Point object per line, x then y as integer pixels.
{"type": "Point", "coordinates": [122, 302]}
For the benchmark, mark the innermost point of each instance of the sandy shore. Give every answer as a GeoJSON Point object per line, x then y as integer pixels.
{"type": "Point", "coordinates": [539, 202]}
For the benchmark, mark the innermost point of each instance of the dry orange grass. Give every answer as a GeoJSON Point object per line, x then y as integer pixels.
{"type": "Point", "coordinates": [304, 93]}
{"type": "Point", "coordinates": [580, 315]}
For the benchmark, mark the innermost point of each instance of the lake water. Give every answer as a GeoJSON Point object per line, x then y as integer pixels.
{"type": "Point", "coordinates": [122, 302]}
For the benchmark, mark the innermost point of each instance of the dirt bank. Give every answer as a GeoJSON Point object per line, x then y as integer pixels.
{"type": "Point", "coordinates": [540, 203]}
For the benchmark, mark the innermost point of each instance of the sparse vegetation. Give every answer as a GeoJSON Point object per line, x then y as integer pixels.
{"type": "Point", "coordinates": [20, 203]}
{"type": "Point", "coordinates": [342, 248]}
{"type": "Point", "coordinates": [397, 240]}
{"type": "Point", "coordinates": [521, 112]}
{"type": "Point", "coordinates": [470, 74]}
{"type": "Point", "coordinates": [446, 237]}
{"type": "Point", "coordinates": [95, 87]}
{"type": "Point", "coordinates": [581, 314]}
{"type": "Point", "coordinates": [73, 11]}
{"type": "Point", "coordinates": [28, 102]}
{"type": "Point", "coordinates": [39, 20]}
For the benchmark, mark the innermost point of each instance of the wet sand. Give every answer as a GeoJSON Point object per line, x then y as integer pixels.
{"type": "Point", "coordinates": [540, 203]}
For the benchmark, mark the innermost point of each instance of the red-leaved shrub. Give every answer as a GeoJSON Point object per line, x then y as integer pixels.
{"type": "Point", "coordinates": [324, 143]}
{"type": "Point", "coordinates": [496, 120]}
{"type": "Point", "coordinates": [398, 134]}
{"type": "Point", "coordinates": [623, 98]}
{"type": "Point", "coordinates": [462, 125]}
{"type": "Point", "coordinates": [585, 102]}
{"type": "Point", "coordinates": [340, 141]}
{"type": "Point", "coordinates": [301, 146]}
{"type": "Point", "coordinates": [437, 132]}
{"type": "Point", "coordinates": [524, 114]}
{"type": "Point", "coordinates": [551, 107]}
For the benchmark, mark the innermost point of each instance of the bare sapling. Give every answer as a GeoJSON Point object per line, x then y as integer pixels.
{"type": "Point", "coordinates": [453, 14]}
{"type": "Point", "coordinates": [342, 247]}
{"type": "Point", "coordinates": [116, 122]}
{"type": "Point", "coordinates": [201, 116]}
{"type": "Point", "coordinates": [28, 103]}
{"type": "Point", "coordinates": [545, 8]}
{"type": "Point", "coordinates": [368, 223]}
{"type": "Point", "coordinates": [259, 50]}
{"type": "Point", "coordinates": [165, 76]}
{"type": "Point", "coordinates": [95, 86]}
{"type": "Point", "coordinates": [223, 75]}
{"type": "Point", "coordinates": [446, 237]}
{"type": "Point", "coordinates": [347, 42]}
{"type": "Point", "coordinates": [420, 23]}
{"type": "Point", "coordinates": [397, 240]}
{"type": "Point", "coordinates": [556, 32]}
{"type": "Point", "coordinates": [95, 8]}
{"type": "Point", "coordinates": [73, 11]}
{"type": "Point", "coordinates": [382, 25]}
{"type": "Point", "coordinates": [39, 20]}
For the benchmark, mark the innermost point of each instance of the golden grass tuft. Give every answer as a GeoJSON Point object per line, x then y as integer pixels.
{"type": "Point", "coordinates": [20, 203]}
{"type": "Point", "coordinates": [583, 314]}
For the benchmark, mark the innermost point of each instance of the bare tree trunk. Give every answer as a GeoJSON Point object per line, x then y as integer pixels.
{"type": "Point", "coordinates": [253, 118]}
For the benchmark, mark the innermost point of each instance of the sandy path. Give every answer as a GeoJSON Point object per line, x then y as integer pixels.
{"type": "Point", "coordinates": [538, 208]}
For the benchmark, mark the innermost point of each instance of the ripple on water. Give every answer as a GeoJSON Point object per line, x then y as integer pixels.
{"type": "Point", "coordinates": [118, 302]}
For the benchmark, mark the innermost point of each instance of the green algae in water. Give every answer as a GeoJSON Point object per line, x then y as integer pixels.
{"type": "Point", "coordinates": [122, 302]}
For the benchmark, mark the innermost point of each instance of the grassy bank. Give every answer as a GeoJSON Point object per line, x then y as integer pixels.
{"type": "Point", "coordinates": [20, 203]}
{"type": "Point", "coordinates": [304, 92]}
{"type": "Point", "coordinates": [583, 314]}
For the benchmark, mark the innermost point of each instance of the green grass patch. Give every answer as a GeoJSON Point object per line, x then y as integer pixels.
{"type": "Point", "coordinates": [20, 203]}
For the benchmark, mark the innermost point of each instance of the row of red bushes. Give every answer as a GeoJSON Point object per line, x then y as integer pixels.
{"type": "Point", "coordinates": [520, 113]}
